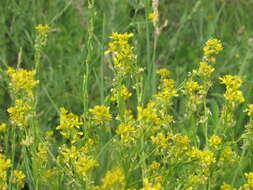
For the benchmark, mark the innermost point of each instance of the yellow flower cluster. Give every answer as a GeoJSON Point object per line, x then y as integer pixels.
{"type": "Point", "coordinates": [195, 92]}
{"type": "Point", "coordinates": [42, 152]}
{"type": "Point", "coordinates": [42, 31]}
{"type": "Point", "coordinates": [114, 180]}
{"type": "Point", "coordinates": [204, 69]}
{"type": "Point", "coordinates": [214, 141]}
{"type": "Point", "coordinates": [249, 184]}
{"type": "Point", "coordinates": [101, 114]}
{"type": "Point", "coordinates": [78, 159]}
{"type": "Point", "coordinates": [22, 80]}
{"type": "Point", "coordinates": [120, 93]}
{"type": "Point", "coordinates": [172, 145]}
{"type": "Point", "coordinates": [123, 57]}
{"type": "Point", "coordinates": [127, 132]}
{"type": "Point", "coordinates": [233, 83]}
{"type": "Point", "coordinates": [5, 164]}
{"type": "Point", "coordinates": [167, 88]}
{"type": "Point", "coordinates": [18, 178]}
{"type": "Point", "coordinates": [150, 186]}
{"type": "Point", "coordinates": [20, 113]}
{"type": "Point", "coordinates": [69, 125]}
{"type": "Point", "coordinates": [205, 159]}
{"type": "Point", "coordinates": [148, 115]}
{"type": "Point", "coordinates": [249, 110]}
{"type": "Point", "coordinates": [213, 47]}
{"type": "Point", "coordinates": [83, 165]}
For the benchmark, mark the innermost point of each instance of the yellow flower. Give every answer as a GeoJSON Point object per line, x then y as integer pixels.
{"type": "Point", "coordinates": [69, 125]}
{"type": "Point", "coordinates": [148, 114]}
{"type": "Point", "coordinates": [122, 52]}
{"type": "Point", "coordinates": [101, 113]}
{"type": "Point", "coordinates": [226, 187]}
{"type": "Point", "coordinates": [150, 186]}
{"type": "Point", "coordinates": [19, 114]}
{"type": "Point", "coordinates": [22, 79]}
{"type": "Point", "coordinates": [163, 72]}
{"type": "Point", "coordinates": [42, 29]}
{"type": "Point", "coordinates": [231, 81]}
{"type": "Point", "coordinates": [249, 110]}
{"type": "Point", "coordinates": [213, 47]}
{"type": "Point", "coordinates": [18, 178]}
{"type": "Point", "coordinates": [84, 164]}
{"type": "Point", "coordinates": [181, 142]}
{"type": "Point", "coordinates": [227, 155]}
{"type": "Point", "coordinates": [120, 93]}
{"type": "Point", "coordinates": [114, 180]}
{"type": "Point", "coordinates": [153, 17]}
{"type": "Point", "coordinates": [214, 141]}
{"type": "Point", "coordinates": [192, 86]}
{"type": "Point", "coordinates": [3, 127]}
{"type": "Point", "coordinates": [126, 132]}
{"type": "Point", "coordinates": [205, 69]}
{"type": "Point", "coordinates": [249, 177]}
{"type": "Point", "coordinates": [154, 165]}
{"type": "Point", "coordinates": [42, 152]}
{"type": "Point", "coordinates": [5, 164]}
{"type": "Point", "coordinates": [232, 94]}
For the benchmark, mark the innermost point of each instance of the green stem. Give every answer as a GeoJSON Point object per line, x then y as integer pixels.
{"type": "Point", "coordinates": [89, 56]}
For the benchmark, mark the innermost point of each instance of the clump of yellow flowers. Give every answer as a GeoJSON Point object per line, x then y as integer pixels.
{"type": "Point", "coordinates": [5, 164]}
{"type": "Point", "coordinates": [122, 52]}
{"type": "Point", "coordinates": [42, 30]}
{"type": "Point", "coordinates": [129, 142]}
{"type": "Point", "coordinates": [213, 47]}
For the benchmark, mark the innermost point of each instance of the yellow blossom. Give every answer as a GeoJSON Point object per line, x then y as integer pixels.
{"type": "Point", "coordinates": [163, 72]}
{"type": "Point", "coordinates": [42, 152]}
{"type": "Point", "coordinates": [42, 29]}
{"type": "Point", "coordinates": [83, 165]}
{"type": "Point", "coordinates": [22, 79]}
{"type": "Point", "coordinates": [69, 125]}
{"type": "Point", "coordinates": [3, 127]}
{"type": "Point", "coordinates": [123, 57]}
{"type": "Point", "coordinates": [227, 155]}
{"type": "Point", "coordinates": [249, 110]}
{"type": "Point", "coordinates": [212, 47]}
{"type": "Point", "coordinates": [126, 132]}
{"type": "Point", "coordinates": [205, 69]}
{"type": "Point", "coordinates": [153, 17]}
{"type": "Point", "coordinates": [5, 164]}
{"type": "Point", "coordinates": [232, 94]}
{"type": "Point", "coordinates": [114, 180]}
{"type": "Point", "coordinates": [120, 93]}
{"type": "Point", "coordinates": [249, 177]}
{"type": "Point", "coordinates": [150, 186]}
{"type": "Point", "coordinates": [226, 187]}
{"type": "Point", "coordinates": [101, 113]}
{"type": "Point", "coordinates": [148, 114]}
{"type": "Point", "coordinates": [214, 141]}
{"type": "Point", "coordinates": [19, 114]}
{"type": "Point", "coordinates": [18, 178]}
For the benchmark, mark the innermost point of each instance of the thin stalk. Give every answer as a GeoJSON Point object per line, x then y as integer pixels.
{"type": "Point", "coordinates": [148, 51]}
{"type": "Point", "coordinates": [88, 57]}
{"type": "Point", "coordinates": [102, 86]}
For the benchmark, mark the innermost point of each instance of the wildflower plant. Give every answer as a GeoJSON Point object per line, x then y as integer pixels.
{"type": "Point", "coordinates": [128, 142]}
